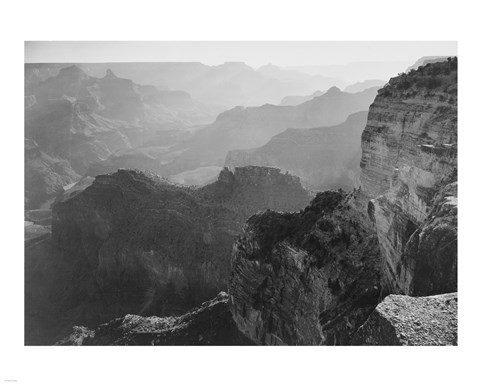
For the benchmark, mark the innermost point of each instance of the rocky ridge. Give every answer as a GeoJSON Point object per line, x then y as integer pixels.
{"type": "Point", "coordinates": [306, 278]}
{"type": "Point", "coordinates": [132, 242]}
{"type": "Point", "coordinates": [209, 324]}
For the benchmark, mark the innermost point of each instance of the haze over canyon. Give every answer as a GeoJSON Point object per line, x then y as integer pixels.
{"type": "Point", "coordinates": [179, 203]}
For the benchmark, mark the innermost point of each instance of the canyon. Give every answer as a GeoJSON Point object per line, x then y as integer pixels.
{"type": "Point", "coordinates": [286, 292]}
{"type": "Point", "coordinates": [74, 121]}
{"type": "Point", "coordinates": [132, 256]}
{"type": "Point", "coordinates": [245, 128]}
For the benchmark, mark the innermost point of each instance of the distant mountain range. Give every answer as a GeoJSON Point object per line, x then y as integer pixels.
{"type": "Point", "coordinates": [358, 71]}
{"type": "Point", "coordinates": [227, 85]}
{"type": "Point", "coordinates": [352, 88]}
{"type": "Point", "coordinates": [73, 120]}
{"type": "Point", "coordinates": [244, 128]}
{"type": "Point", "coordinates": [324, 158]}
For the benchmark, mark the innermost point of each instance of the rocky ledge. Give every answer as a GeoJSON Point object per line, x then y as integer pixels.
{"type": "Point", "coordinates": [405, 320]}
{"type": "Point", "coordinates": [209, 324]}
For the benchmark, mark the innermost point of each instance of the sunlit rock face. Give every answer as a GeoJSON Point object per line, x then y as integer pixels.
{"type": "Point", "coordinates": [409, 152]}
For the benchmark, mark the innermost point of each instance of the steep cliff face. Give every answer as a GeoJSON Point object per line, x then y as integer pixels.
{"type": "Point", "coordinates": [428, 265]}
{"type": "Point", "coordinates": [324, 158]}
{"type": "Point", "coordinates": [134, 243]}
{"type": "Point", "coordinates": [306, 278]}
{"type": "Point", "coordinates": [409, 152]}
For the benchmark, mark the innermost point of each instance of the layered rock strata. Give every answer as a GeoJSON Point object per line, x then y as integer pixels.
{"type": "Point", "coordinates": [409, 153]}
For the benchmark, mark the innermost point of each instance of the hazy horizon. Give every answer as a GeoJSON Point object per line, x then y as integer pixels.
{"type": "Point", "coordinates": [252, 53]}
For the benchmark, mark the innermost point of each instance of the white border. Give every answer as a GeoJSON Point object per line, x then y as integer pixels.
{"type": "Point", "coordinates": [239, 20]}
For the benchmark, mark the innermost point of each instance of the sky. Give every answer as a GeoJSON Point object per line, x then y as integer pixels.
{"type": "Point", "coordinates": [253, 53]}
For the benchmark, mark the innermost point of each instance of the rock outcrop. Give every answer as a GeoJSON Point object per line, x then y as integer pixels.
{"type": "Point", "coordinates": [324, 158]}
{"type": "Point", "coordinates": [209, 324]}
{"type": "Point", "coordinates": [306, 278]}
{"type": "Point", "coordinates": [132, 242]}
{"type": "Point", "coordinates": [414, 321]}
{"type": "Point", "coordinates": [409, 153]}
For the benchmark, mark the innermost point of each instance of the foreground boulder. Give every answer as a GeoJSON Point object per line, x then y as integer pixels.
{"type": "Point", "coordinates": [210, 324]}
{"type": "Point", "coordinates": [404, 320]}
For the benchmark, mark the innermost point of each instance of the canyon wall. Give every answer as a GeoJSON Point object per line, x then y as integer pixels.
{"type": "Point", "coordinates": [409, 153]}
{"type": "Point", "coordinates": [315, 277]}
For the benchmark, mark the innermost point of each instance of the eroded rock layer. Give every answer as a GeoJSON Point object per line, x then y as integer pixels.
{"type": "Point", "coordinates": [409, 152]}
